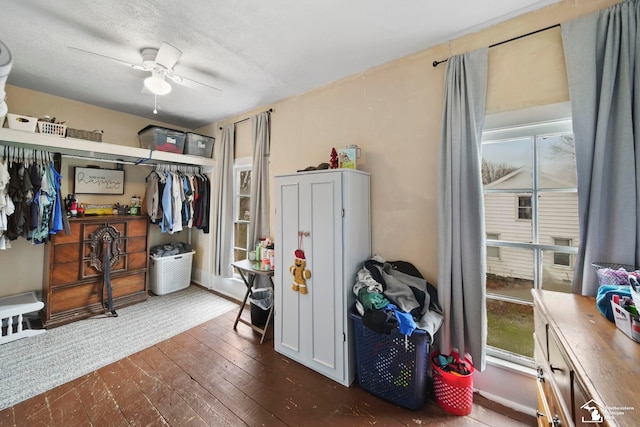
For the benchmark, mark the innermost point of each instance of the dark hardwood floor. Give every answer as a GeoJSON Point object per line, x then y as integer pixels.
{"type": "Point", "coordinates": [212, 375]}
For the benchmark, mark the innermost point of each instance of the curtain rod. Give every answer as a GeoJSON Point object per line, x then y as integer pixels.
{"type": "Point", "coordinates": [436, 63]}
{"type": "Point", "coordinates": [270, 110]}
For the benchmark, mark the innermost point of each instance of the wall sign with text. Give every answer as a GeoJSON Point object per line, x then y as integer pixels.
{"type": "Point", "coordinates": [98, 181]}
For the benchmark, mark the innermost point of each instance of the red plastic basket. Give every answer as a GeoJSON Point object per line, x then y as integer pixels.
{"type": "Point", "coordinates": [453, 393]}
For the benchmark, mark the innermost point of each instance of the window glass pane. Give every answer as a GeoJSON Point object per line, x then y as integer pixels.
{"type": "Point", "coordinates": [239, 255]}
{"type": "Point", "coordinates": [244, 209]}
{"type": "Point", "coordinates": [506, 165]}
{"type": "Point", "coordinates": [501, 215]}
{"type": "Point", "coordinates": [557, 162]}
{"type": "Point", "coordinates": [557, 270]}
{"type": "Point", "coordinates": [511, 275]}
{"type": "Point", "coordinates": [245, 183]}
{"type": "Point", "coordinates": [510, 327]}
{"type": "Point", "coordinates": [240, 235]}
{"type": "Point", "coordinates": [558, 217]}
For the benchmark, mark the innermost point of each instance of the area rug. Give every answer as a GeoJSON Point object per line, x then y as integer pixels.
{"type": "Point", "coordinates": [31, 366]}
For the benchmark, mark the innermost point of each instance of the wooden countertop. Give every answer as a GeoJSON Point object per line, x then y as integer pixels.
{"type": "Point", "coordinates": [606, 360]}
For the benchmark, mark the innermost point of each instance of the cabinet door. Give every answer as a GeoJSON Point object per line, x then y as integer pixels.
{"type": "Point", "coordinates": [323, 326]}
{"type": "Point", "coordinates": [309, 327]}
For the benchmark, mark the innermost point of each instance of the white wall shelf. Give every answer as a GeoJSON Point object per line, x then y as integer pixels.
{"type": "Point", "coordinates": [97, 150]}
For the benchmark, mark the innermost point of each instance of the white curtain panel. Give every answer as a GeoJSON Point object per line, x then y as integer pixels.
{"type": "Point", "coordinates": [461, 235]}
{"type": "Point", "coordinates": [223, 202]}
{"type": "Point", "coordinates": [259, 224]}
{"type": "Point", "coordinates": [603, 68]}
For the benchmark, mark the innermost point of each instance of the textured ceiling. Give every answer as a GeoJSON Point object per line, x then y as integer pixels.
{"type": "Point", "coordinates": [255, 51]}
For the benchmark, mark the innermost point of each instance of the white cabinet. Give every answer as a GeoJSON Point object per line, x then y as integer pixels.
{"type": "Point", "coordinates": [327, 215]}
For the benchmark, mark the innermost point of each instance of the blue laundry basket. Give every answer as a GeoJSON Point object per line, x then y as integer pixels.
{"type": "Point", "coordinates": [392, 367]}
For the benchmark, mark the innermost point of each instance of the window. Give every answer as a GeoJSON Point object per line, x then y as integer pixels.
{"type": "Point", "coordinates": [560, 258]}
{"type": "Point", "coordinates": [241, 210]}
{"type": "Point", "coordinates": [530, 198]}
{"type": "Point", "coordinates": [524, 207]}
{"type": "Point", "coordinates": [493, 251]}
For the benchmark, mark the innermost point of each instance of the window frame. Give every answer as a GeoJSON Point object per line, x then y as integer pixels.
{"type": "Point", "coordinates": [240, 165]}
{"type": "Point", "coordinates": [535, 131]}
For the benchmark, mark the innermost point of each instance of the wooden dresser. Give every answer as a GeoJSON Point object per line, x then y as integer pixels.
{"type": "Point", "coordinates": [73, 284]}
{"type": "Point", "coordinates": [584, 362]}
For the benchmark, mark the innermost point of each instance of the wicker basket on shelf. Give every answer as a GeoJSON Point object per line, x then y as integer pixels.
{"type": "Point", "coordinates": [84, 134]}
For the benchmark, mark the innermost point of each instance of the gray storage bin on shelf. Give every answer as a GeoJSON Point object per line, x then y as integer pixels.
{"type": "Point", "coordinates": [162, 139]}
{"type": "Point", "coordinates": [198, 145]}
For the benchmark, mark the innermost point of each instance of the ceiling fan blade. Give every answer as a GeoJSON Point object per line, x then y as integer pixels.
{"type": "Point", "coordinates": [168, 56]}
{"type": "Point", "coordinates": [184, 81]}
{"type": "Point", "coordinates": [128, 64]}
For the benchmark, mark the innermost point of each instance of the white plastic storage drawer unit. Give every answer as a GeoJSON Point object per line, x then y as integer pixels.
{"type": "Point", "coordinates": [170, 273]}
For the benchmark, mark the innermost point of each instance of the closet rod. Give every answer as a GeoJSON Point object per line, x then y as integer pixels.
{"type": "Point", "coordinates": [270, 110]}
{"type": "Point", "coordinates": [436, 63]}
{"type": "Point", "coordinates": [73, 156]}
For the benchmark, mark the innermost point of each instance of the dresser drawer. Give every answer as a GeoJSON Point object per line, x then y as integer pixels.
{"type": "Point", "coordinates": [82, 295]}
{"type": "Point", "coordinates": [559, 369]}
{"type": "Point", "coordinates": [67, 252]}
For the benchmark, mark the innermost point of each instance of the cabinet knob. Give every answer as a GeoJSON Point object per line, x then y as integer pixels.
{"type": "Point", "coordinates": [540, 374]}
{"type": "Point", "coordinates": [540, 414]}
{"type": "Point", "coordinates": [556, 422]}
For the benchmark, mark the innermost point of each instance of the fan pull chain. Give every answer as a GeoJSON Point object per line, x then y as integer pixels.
{"type": "Point", "coordinates": [155, 106]}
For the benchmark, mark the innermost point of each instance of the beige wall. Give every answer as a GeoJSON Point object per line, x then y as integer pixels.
{"type": "Point", "coordinates": [392, 112]}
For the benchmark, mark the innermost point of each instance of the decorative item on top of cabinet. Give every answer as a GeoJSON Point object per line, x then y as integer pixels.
{"type": "Point", "coordinates": [73, 286]}
{"type": "Point", "coordinates": [587, 368]}
{"type": "Point", "coordinates": [326, 213]}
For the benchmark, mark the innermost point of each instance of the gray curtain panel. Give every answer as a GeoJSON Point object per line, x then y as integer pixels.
{"type": "Point", "coordinates": [601, 54]}
{"type": "Point", "coordinates": [259, 224]}
{"type": "Point", "coordinates": [461, 235]}
{"type": "Point", "coordinates": [223, 202]}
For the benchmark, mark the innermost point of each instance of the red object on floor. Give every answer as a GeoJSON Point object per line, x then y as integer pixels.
{"type": "Point", "coordinates": [453, 392]}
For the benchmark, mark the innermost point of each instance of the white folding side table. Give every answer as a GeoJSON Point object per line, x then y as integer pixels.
{"type": "Point", "coordinates": [249, 270]}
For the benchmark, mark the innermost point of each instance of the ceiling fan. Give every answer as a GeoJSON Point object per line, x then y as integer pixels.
{"type": "Point", "coordinates": [160, 63]}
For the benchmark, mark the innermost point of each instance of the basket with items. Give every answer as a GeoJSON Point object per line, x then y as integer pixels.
{"type": "Point", "coordinates": [49, 125]}
{"type": "Point", "coordinates": [618, 297]}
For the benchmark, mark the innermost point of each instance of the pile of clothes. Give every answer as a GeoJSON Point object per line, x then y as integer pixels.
{"type": "Point", "coordinates": [170, 249]}
{"type": "Point", "coordinates": [394, 295]}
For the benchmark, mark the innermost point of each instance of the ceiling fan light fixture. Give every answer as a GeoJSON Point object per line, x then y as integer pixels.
{"type": "Point", "coordinates": [157, 84]}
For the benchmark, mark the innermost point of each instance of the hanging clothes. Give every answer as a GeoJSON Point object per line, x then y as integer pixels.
{"type": "Point", "coordinates": [29, 195]}
{"type": "Point", "coordinates": [6, 204]}
{"type": "Point", "coordinates": [175, 198]}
